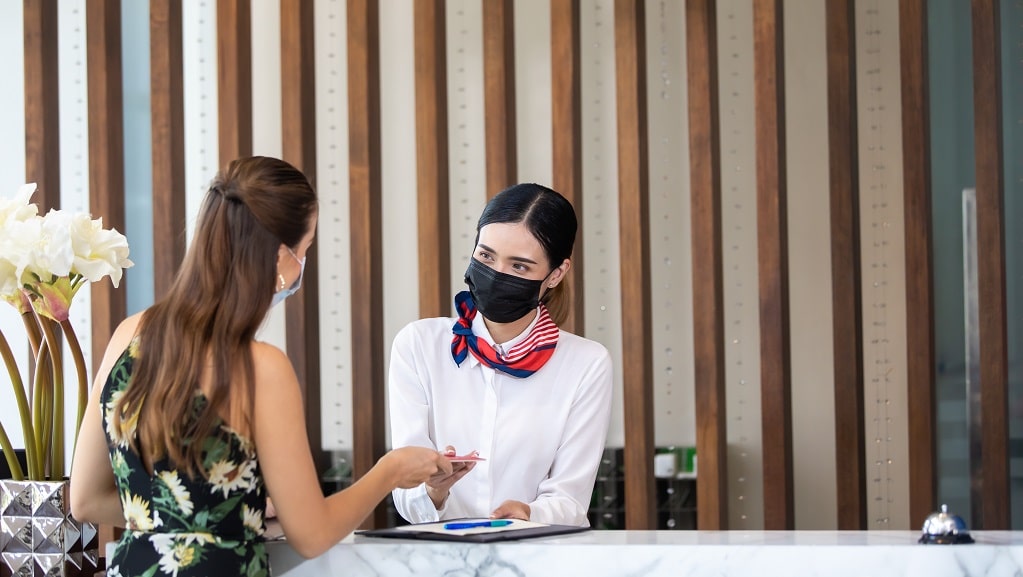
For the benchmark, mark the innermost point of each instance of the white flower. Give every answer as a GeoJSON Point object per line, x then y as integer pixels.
{"type": "Point", "coordinates": [253, 519]}
{"type": "Point", "coordinates": [98, 252]}
{"type": "Point", "coordinates": [136, 512]}
{"type": "Point", "coordinates": [178, 550]}
{"type": "Point", "coordinates": [120, 436]}
{"type": "Point", "coordinates": [18, 208]}
{"type": "Point", "coordinates": [114, 571]}
{"type": "Point", "coordinates": [181, 494]}
{"type": "Point", "coordinates": [227, 476]}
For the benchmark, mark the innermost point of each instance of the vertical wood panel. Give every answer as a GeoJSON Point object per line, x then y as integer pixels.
{"type": "Point", "coordinates": [432, 179]}
{"type": "Point", "coordinates": [772, 260]}
{"type": "Point", "coordinates": [567, 138]}
{"type": "Point", "coordinates": [846, 296]}
{"type": "Point", "coordinates": [916, 171]}
{"type": "Point", "coordinates": [633, 190]}
{"type": "Point", "coordinates": [298, 135]}
{"type": "Point", "coordinates": [42, 114]}
{"type": "Point", "coordinates": [234, 69]}
{"type": "Point", "coordinates": [994, 362]}
{"type": "Point", "coordinates": [167, 106]}
{"type": "Point", "coordinates": [366, 239]}
{"type": "Point", "coordinates": [106, 153]}
{"type": "Point", "coordinates": [708, 278]}
{"type": "Point", "coordinates": [499, 94]}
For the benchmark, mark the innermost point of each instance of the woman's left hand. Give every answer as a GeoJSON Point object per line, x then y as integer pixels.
{"type": "Point", "coordinates": [511, 510]}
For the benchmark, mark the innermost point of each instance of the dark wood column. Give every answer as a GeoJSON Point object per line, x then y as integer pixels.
{"type": "Point", "coordinates": [366, 234]}
{"type": "Point", "coordinates": [42, 110]}
{"type": "Point", "coordinates": [168, 125]}
{"type": "Point", "coordinates": [994, 359]}
{"type": "Point", "coordinates": [916, 191]}
{"type": "Point", "coordinates": [499, 94]}
{"type": "Point", "coordinates": [106, 153]}
{"type": "Point", "coordinates": [708, 278]}
{"type": "Point", "coordinates": [234, 70]}
{"type": "Point", "coordinates": [567, 139]}
{"type": "Point", "coordinates": [634, 215]}
{"type": "Point", "coordinates": [298, 130]}
{"type": "Point", "coordinates": [772, 238]}
{"type": "Point", "coordinates": [432, 180]}
{"type": "Point", "coordinates": [846, 280]}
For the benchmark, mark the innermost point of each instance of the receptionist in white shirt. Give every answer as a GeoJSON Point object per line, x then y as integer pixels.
{"type": "Point", "coordinates": [502, 379]}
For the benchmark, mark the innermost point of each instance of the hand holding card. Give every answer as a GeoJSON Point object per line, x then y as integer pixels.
{"type": "Point", "coordinates": [471, 457]}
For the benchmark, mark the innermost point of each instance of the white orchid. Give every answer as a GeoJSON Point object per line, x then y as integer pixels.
{"type": "Point", "coordinates": [44, 261]}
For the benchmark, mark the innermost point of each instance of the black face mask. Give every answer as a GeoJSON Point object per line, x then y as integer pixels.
{"type": "Point", "coordinates": [502, 298]}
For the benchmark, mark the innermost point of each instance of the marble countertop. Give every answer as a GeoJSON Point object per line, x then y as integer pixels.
{"type": "Point", "coordinates": [668, 553]}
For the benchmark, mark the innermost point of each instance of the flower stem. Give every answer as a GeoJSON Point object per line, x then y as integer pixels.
{"type": "Point", "coordinates": [57, 358]}
{"type": "Point", "coordinates": [83, 384]}
{"type": "Point", "coordinates": [43, 406]}
{"type": "Point", "coordinates": [12, 458]}
{"type": "Point", "coordinates": [20, 397]}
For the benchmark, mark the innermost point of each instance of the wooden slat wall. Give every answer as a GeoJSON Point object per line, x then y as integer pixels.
{"type": "Point", "coordinates": [708, 278]}
{"type": "Point", "coordinates": [167, 105]}
{"type": "Point", "coordinates": [234, 70]}
{"type": "Point", "coordinates": [298, 135]}
{"type": "Point", "coordinates": [106, 153]}
{"type": "Point", "coordinates": [42, 114]}
{"type": "Point", "coordinates": [994, 361]}
{"type": "Point", "coordinates": [775, 369]}
{"type": "Point", "coordinates": [499, 94]}
{"type": "Point", "coordinates": [366, 239]}
{"type": "Point", "coordinates": [567, 139]}
{"type": "Point", "coordinates": [432, 178]}
{"type": "Point", "coordinates": [846, 297]}
{"type": "Point", "coordinates": [916, 174]}
{"type": "Point", "coordinates": [634, 215]}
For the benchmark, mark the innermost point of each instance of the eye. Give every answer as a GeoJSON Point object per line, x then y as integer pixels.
{"type": "Point", "coordinates": [520, 267]}
{"type": "Point", "coordinates": [484, 256]}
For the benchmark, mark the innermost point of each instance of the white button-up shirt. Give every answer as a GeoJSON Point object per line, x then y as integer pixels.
{"type": "Point", "coordinates": [542, 436]}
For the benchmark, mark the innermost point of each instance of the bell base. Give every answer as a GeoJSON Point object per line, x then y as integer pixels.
{"type": "Point", "coordinates": [955, 539]}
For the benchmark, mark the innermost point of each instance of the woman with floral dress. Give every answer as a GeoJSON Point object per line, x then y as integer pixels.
{"type": "Point", "coordinates": [192, 423]}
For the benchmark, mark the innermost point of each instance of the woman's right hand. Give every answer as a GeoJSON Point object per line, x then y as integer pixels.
{"type": "Point", "coordinates": [439, 486]}
{"type": "Point", "coordinates": [413, 466]}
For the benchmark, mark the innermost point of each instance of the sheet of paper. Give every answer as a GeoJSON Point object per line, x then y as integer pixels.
{"type": "Point", "coordinates": [438, 527]}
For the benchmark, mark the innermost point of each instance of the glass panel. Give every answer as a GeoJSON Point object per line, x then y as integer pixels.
{"type": "Point", "coordinates": [1012, 132]}
{"type": "Point", "coordinates": [952, 170]}
{"type": "Point", "coordinates": [138, 160]}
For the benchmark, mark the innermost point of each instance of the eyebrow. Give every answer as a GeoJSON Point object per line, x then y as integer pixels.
{"type": "Point", "coordinates": [514, 258]}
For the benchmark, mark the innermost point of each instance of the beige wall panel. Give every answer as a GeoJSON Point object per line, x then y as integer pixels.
{"type": "Point", "coordinates": [739, 253]}
{"type": "Point", "coordinates": [813, 399]}
{"type": "Point", "coordinates": [882, 246]}
{"type": "Point", "coordinates": [534, 148]}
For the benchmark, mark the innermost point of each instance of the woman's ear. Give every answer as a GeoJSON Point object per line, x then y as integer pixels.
{"type": "Point", "coordinates": [559, 274]}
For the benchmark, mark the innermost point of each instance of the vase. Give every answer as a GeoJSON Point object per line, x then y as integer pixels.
{"type": "Point", "coordinates": [38, 535]}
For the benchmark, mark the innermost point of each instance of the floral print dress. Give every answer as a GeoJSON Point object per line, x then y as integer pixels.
{"type": "Point", "coordinates": [180, 526]}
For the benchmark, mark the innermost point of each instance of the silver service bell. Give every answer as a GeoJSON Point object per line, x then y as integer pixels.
{"type": "Point", "coordinates": [944, 528]}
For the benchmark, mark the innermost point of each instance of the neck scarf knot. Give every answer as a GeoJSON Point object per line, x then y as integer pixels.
{"type": "Point", "coordinates": [522, 360]}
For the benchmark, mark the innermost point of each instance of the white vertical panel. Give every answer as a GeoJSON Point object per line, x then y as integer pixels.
{"type": "Point", "coordinates": [466, 142]}
{"type": "Point", "coordinates": [333, 232]}
{"type": "Point", "coordinates": [534, 145]}
{"type": "Point", "coordinates": [12, 175]}
{"type": "Point", "coordinates": [600, 187]}
{"type": "Point", "coordinates": [398, 162]}
{"type": "Point", "coordinates": [74, 177]}
{"type": "Point", "coordinates": [671, 265]}
{"type": "Point", "coordinates": [266, 118]}
{"type": "Point", "coordinates": [739, 255]}
{"type": "Point", "coordinates": [199, 55]}
{"type": "Point", "coordinates": [882, 240]}
{"type": "Point", "coordinates": [813, 383]}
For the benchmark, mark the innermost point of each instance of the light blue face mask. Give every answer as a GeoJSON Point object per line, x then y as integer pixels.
{"type": "Point", "coordinates": [282, 294]}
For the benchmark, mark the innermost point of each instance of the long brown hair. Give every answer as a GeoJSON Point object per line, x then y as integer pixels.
{"type": "Point", "coordinates": [206, 323]}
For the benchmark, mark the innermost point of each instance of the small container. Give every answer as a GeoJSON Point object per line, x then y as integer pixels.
{"type": "Point", "coordinates": [944, 528]}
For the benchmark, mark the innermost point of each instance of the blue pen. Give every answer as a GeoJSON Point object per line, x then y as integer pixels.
{"type": "Point", "coordinates": [475, 524]}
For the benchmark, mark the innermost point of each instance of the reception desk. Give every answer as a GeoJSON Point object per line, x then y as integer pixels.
{"type": "Point", "coordinates": [667, 553]}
